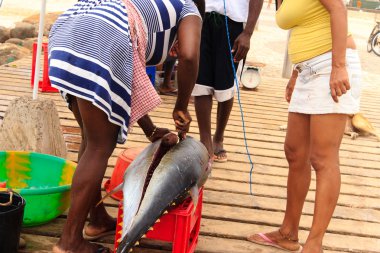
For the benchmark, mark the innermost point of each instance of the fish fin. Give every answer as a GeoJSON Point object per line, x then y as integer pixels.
{"type": "Point", "coordinates": [377, 136]}
{"type": "Point", "coordinates": [194, 193]}
{"type": "Point", "coordinates": [116, 189]}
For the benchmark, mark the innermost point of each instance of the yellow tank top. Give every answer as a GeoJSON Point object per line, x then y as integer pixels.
{"type": "Point", "coordinates": [309, 22]}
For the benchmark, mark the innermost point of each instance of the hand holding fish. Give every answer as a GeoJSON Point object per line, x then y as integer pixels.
{"type": "Point", "coordinates": [151, 132]}
{"type": "Point", "coordinates": [157, 134]}
{"type": "Point", "coordinates": [182, 120]}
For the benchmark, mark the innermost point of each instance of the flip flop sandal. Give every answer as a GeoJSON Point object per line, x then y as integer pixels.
{"type": "Point", "coordinates": [22, 243]}
{"type": "Point", "coordinates": [173, 92]}
{"type": "Point", "coordinates": [268, 242]}
{"type": "Point", "coordinates": [100, 235]}
{"type": "Point", "coordinates": [220, 160]}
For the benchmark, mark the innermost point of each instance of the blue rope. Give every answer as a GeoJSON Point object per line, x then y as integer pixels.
{"type": "Point", "coordinates": [238, 95]}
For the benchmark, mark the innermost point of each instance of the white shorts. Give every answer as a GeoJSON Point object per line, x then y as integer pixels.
{"type": "Point", "coordinates": [312, 95]}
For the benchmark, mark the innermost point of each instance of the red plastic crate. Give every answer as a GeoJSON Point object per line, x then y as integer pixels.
{"type": "Point", "coordinates": [44, 85]}
{"type": "Point", "coordinates": [180, 226]}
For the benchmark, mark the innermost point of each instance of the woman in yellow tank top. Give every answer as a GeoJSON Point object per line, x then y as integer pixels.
{"type": "Point", "coordinates": [323, 89]}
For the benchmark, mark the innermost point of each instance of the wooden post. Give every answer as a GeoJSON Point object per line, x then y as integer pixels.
{"type": "Point", "coordinates": [287, 67]}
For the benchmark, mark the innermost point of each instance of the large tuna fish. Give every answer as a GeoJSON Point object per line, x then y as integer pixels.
{"type": "Point", "coordinates": [161, 174]}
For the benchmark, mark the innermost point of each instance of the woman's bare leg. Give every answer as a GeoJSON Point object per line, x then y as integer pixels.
{"type": "Point", "coordinates": [297, 151]}
{"type": "Point", "coordinates": [100, 142]}
{"type": "Point", "coordinates": [326, 136]}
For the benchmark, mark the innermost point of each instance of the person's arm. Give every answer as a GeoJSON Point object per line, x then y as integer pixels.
{"type": "Point", "coordinates": [189, 35]}
{"type": "Point", "coordinates": [242, 42]}
{"type": "Point", "coordinates": [151, 132]}
{"type": "Point", "coordinates": [339, 82]}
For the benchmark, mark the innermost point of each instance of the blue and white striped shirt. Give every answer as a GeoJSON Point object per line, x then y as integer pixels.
{"type": "Point", "coordinates": [161, 20]}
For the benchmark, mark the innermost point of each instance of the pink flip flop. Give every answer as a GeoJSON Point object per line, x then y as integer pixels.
{"type": "Point", "coordinates": [268, 242]}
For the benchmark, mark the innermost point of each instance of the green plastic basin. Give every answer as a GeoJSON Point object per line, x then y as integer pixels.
{"type": "Point", "coordinates": [44, 181]}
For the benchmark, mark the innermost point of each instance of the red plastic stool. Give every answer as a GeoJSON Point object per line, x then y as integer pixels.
{"type": "Point", "coordinates": [178, 226]}
{"type": "Point", "coordinates": [44, 85]}
{"type": "Point", "coordinates": [122, 163]}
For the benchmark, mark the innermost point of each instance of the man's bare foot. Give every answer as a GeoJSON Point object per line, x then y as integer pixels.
{"type": "Point", "coordinates": [220, 154]}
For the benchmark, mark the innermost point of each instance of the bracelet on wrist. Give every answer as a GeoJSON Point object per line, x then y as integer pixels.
{"type": "Point", "coordinates": [153, 132]}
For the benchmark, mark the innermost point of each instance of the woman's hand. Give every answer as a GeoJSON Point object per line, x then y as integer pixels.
{"type": "Point", "coordinates": [290, 86]}
{"type": "Point", "coordinates": [157, 134]}
{"type": "Point", "coordinates": [182, 120]}
{"type": "Point", "coordinates": [339, 82]}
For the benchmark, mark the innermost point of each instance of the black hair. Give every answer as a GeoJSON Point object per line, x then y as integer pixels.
{"type": "Point", "coordinates": [201, 6]}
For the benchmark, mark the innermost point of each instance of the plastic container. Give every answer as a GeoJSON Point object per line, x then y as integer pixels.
{"type": "Point", "coordinates": [180, 226]}
{"type": "Point", "coordinates": [44, 85]}
{"type": "Point", "coordinates": [44, 181]}
{"type": "Point", "coordinates": [125, 158]}
{"type": "Point", "coordinates": [151, 72]}
{"type": "Point", "coordinates": [10, 221]}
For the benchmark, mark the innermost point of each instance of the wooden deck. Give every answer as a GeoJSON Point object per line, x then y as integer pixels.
{"type": "Point", "coordinates": [230, 213]}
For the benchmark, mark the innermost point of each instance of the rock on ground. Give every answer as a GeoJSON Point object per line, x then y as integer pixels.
{"type": "Point", "coordinates": [16, 41]}
{"type": "Point", "coordinates": [32, 125]}
{"type": "Point", "coordinates": [23, 30]}
{"type": "Point", "coordinates": [50, 19]}
{"type": "Point", "coordinates": [4, 34]}
{"type": "Point", "coordinates": [10, 52]}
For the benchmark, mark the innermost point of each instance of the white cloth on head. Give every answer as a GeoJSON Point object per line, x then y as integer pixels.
{"type": "Point", "coordinates": [237, 10]}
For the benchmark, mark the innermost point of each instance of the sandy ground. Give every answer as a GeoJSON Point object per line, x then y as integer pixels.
{"type": "Point", "coordinates": [12, 11]}
{"type": "Point", "coordinates": [267, 45]}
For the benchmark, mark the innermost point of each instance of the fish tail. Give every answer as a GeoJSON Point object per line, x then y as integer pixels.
{"type": "Point", "coordinates": [116, 189]}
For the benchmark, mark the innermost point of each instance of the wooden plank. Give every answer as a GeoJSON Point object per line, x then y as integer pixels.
{"type": "Point", "coordinates": [251, 109]}
{"type": "Point", "coordinates": [262, 179]}
{"type": "Point", "coordinates": [232, 230]}
{"type": "Point", "coordinates": [277, 204]}
{"type": "Point", "coordinates": [44, 244]}
{"type": "Point", "coordinates": [274, 218]}
{"type": "Point", "coordinates": [259, 134]}
{"type": "Point", "coordinates": [337, 242]}
{"type": "Point", "coordinates": [230, 213]}
{"type": "Point", "coordinates": [280, 192]}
